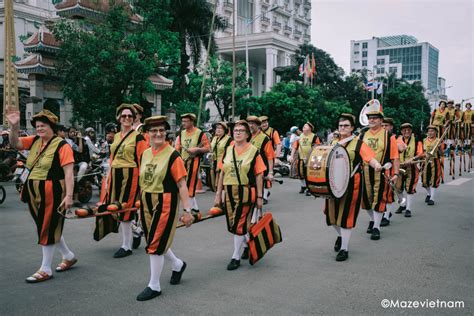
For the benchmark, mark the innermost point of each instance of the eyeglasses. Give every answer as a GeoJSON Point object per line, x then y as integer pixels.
{"type": "Point", "coordinates": [239, 131]}
{"type": "Point", "coordinates": [126, 116]}
{"type": "Point", "coordinates": [157, 130]}
{"type": "Point", "coordinates": [344, 125]}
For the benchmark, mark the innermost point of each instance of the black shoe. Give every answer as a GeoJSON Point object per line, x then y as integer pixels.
{"type": "Point", "coordinates": [233, 264]}
{"type": "Point", "coordinates": [245, 254]}
{"type": "Point", "coordinates": [265, 201]}
{"type": "Point", "coordinates": [337, 245]}
{"type": "Point", "coordinates": [390, 215]}
{"type": "Point", "coordinates": [431, 202]}
{"type": "Point", "coordinates": [407, 213]}
{"type": "Point", "coordinates": [269, 193]}
{"type": "Point", "coordinates": [148, 294]}
{"type": "Point", "coordinates": [303, 189]}
{"type": "Point", "coordinates": [400, 209]}
{"type": "Point", "coordinates": [136, 241]}
{"type": "Point", "coordinates": [427, 198]}
{"type": "Point", "coordinates": [384, 222]}
{"type": "Point", "coordinates": [369, 229]}
{"type": "Point", "coordinates": [375, 234]}
{"type": "Point", "coordinates": [176, 275]}
{"type": "Point", "coordinates": [122, 253]}
{"type": "Point", "coordinates": [308, 193]}
{"type": "Point", "coordinates": [342, 255]}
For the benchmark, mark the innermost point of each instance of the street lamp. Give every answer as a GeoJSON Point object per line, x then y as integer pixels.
{"type": "Point", "coordinates": [249, 22]}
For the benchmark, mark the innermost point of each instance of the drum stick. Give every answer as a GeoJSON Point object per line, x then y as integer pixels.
{"type": "Point", "coordinates": [205, 218]}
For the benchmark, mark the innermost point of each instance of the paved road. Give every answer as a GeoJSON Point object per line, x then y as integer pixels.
{"type": "Point", "coordinates": [428, 256]}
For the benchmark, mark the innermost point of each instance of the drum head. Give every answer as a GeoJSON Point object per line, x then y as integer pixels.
{"type": "Point", "coordinates": [339, 171]}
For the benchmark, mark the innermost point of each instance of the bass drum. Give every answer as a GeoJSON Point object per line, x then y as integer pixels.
{"type": "Point", "coordinates": [328, 171]}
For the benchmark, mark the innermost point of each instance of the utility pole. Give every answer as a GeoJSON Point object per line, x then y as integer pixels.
{"type": "Point", "coordinates": [234, 70]}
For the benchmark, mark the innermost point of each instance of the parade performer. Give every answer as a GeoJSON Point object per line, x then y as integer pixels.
{"type": "Point", "coordinates": [408, 179]}
{"type": "Point", "coordinates": [300, 152]}
{"type": "Point", "coordinates": [432, 167]}
{"type": "Point", "coordinates": [439, 118]}
{"type": "Point", "coordinates": [241, 180]}
{"type": "Point", "coordinates": [276, 144]}
{"type": "Point", "coordinates": [264, 145]}
{"type": "Point", "coordinates": [219, 144]}
{"type": "Point", "coordinates": [376, 186]}
{"type": "Point", "coordinates": [342, 213]}
{"type": "Point", "coordinates": [192, 143]}
{"type": "Point", "coordinates": [467, 135]}
{"type": "Point", "coordinates": [388, 125]}
{"type": "Point", "coordinates": [162, 184]}
{"type": "Point", "coordinates": [451, 137]}
{"type": "Point", "coordinates": [458, 139]}
{"type": "Point", "coordinates": [49, 187]}
{"type": "Point", "coordinates": [122, 180]}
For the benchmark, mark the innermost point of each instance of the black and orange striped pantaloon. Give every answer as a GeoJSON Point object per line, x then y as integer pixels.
{"type": "Point", "coordinates": [343, 212]}
{"type": "Point", "coordinates": [159, 216]}
{"type": "Point", "coordinates": [431, 176]}
{"type": "Point", "coordinates": [239, 203]}
{"type": "Point", "coordinates": [192, 167]}
{"type": "Point", "coordinates": [408, 180]}
{"type": "Point", "coordinates": [376, 191]}
{"type": "Point", "coordinates": [44, 198]}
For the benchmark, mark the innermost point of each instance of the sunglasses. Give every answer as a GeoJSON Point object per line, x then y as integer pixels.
{"type": "Point", "coordinates": [126, 116]}
{"type": "Point", "coordinates": [239, 131]}
{"type": "Point", "coordinates": [157, 130]}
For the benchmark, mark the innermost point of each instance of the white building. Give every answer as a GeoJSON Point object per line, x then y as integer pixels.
{"type": "Point", "coordinates": [400, 54]}
{"type": "Point", "coordinates": [273, 37]}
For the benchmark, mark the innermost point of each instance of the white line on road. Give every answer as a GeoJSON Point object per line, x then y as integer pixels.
{"type": "Point", "coordinates": [458, 181]}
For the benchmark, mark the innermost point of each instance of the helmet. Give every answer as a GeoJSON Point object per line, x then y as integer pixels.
{"type": "Point", "coordinates": [90, 129]}
{"type": "Point", "coordinates": [294, 129]}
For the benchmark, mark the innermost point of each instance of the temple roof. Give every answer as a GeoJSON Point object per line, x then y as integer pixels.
{"type": "Point", "coordinates": [160, 82]}
{"type": "Point", "coordinates": [91, 8]}
{"type": "Point", "coordinates": [35, 64]}
{"type": "Point", "coordinates": [42, 40]}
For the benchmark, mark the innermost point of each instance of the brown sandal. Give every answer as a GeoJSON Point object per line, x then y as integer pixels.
{"type": "Point", "coordinates": [38, 276]}
{"type": "Point", "coordinates": [65, 265]}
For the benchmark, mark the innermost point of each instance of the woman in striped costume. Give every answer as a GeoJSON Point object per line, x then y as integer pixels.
{"type": "Point", "coordinates": [219, 144]}
{"type": "Point", "coordinates": [122, 180]}
{"type": "Point", "coordinates": [342, 213]}
{"type": "Point", "coordinates": [162, 184]}
{"type": "Point", "coordinates": [49, 187]}
{"type": "Point", "coordinates": [241, 180]}
{"type": "Point", "coordinates": [431, 176]}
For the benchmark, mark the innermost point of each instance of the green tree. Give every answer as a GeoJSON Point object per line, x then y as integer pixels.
{"type": "Point", "coordinates": [406, 103]}
{"type": "Point", "coordinates": [293, 104]}
{"type": "Point", "coordinates": [103, 64]}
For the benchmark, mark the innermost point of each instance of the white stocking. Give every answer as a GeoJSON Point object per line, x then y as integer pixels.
{"type": "Point", "coordinates": [377, 219]}
{"type": "Point", "coordinates": [176, 263]}
{"type": "Point", "coordinates": [346, 236]}
{"type": "Point", "coordinates": [156, 266]}
{"type": "Point", "coordinates": [126, 235]}
{"type": "Point", "coordinates": [238, 241]}
{"type": "Point", "coordinates": [64, 250]}
{"type": "Point", "coordinates": [48, 252]}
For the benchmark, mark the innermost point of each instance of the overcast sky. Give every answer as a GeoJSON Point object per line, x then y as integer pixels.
{"type": "Point", "coordinates": [446, 24]}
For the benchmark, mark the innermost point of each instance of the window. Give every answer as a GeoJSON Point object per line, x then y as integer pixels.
{"type": "Point", "coordinates": [356, 52]}
{"type": "Point", "coordinates": [364, 63]}
{"type": "Point", "coordinates": [356, 61]}
{"type": "Point", "coordinates": [244, 14]}
{"type": "Point", "coordinates": [380, 70]}
{"type": "Point", "coordinates": [380, 61]}
{"type": "Point", "coordinates": [364, 45]}
{"type": "Point", "coordinates": [364, 54]}
{"type": "Point", "coordinates": [393, 70]}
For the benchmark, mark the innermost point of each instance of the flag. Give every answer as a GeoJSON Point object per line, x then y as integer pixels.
{"type": "Point", "coordinates": [380, 88]}
{"type": "Point", "coordinates": [313, 68]}
{"type": "Point", "coordinates": [308, 66]}
{"type": "Point", "coordinates": [370, 85]}
{"type": "Point", "coordinates": [301, 70]}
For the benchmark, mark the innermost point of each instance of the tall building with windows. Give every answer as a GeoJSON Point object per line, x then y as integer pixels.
{"type": "Point", "coordinates": [272, 36]}
{"type": "Point", "coordinates": [400, 54]}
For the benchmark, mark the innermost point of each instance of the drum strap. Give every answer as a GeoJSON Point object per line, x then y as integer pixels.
{"type": "Point", "coordinates": [346, 140]}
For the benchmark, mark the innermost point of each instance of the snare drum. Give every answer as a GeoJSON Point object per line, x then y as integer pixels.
{"type": "Point", "coordinates": [328, 171]}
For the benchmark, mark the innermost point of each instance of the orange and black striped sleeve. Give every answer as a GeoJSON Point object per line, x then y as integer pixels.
{"type": "Point", "coordinates": [66, 155]}
{"type": "Point", "coordinates": [276, 137]}
{"type": "Point", "coordinates": [205, 142]}
{"type": "Point", "coordinates": [419, 148]}
{"type": "Point", "coordinates": [27, 141]}
{"type": "Point", "coordinates": [366, 153]}
{"type": "Point", "coordinates": [178, 171]}
{"type": "Point", "coordinates": [394, 148]}
{"type": "Point", "coordinates": [140, 147]}
{"type": "Point", "coordinates": [259, 165]}
{"type": "Point", "coordinates": [269, 152]}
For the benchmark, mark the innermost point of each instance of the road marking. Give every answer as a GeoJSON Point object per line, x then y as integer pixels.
{"type": "Point", "coordinates": [458, 181]}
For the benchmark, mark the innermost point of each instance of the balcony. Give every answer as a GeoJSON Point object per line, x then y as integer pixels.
{"type": "Point", "coordinates": [307, 4]}
{"type": "Point", "coordinates": [276, 25]}
{"type": "Point", "coordinates": [228, 6]}
{"type": "Point", "coordinates": [288, 29]}
{"type": "Point", "coordinates": [284, 11]}
{"type": "Point", "coordinates": [298, 2]}
{"type": "Point", "coordinates": [307, 37]}
{"type": "Point", "coordinates": [297, 33]}
{"type": "Point", "coordinates": [265, 20]}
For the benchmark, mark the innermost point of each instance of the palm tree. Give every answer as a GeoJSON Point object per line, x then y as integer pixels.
{"type": "Point", "coordinates": [192, 22]}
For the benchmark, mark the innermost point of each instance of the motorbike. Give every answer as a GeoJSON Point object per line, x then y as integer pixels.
{"type": "Point", "coordinates": [93, 177]}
